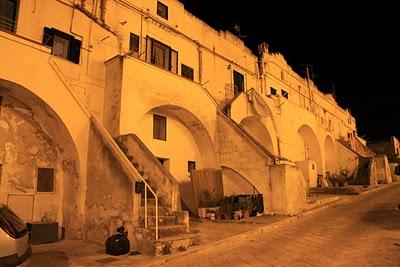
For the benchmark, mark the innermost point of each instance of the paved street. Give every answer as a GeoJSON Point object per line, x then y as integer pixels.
{"type": "Point", "coordinates": [364, 231]}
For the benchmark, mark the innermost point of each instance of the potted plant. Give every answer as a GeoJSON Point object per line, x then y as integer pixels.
{"type": "Point", "coordinates": [208, 203]}
{"type": "Point", "coordinates": [226, 207]}
{"type": "Point", "coordinates": [246, 206]}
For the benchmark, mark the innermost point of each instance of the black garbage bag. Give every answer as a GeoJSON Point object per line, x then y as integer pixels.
{"type": "Point", "coordinates": [118, 243]}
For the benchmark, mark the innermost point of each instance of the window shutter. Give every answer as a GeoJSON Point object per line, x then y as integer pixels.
{"type": "Point", "coordinates": [174, 61]}
{"type": "Point", "coordinates": [48, 35]}
{"type": "Point", "coordinates": [148, 49]}
{"type": "Point", "coordinates": [75, 51]}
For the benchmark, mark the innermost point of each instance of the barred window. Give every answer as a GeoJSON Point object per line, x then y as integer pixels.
{"type": "Point", "coordinates": [8, 14]}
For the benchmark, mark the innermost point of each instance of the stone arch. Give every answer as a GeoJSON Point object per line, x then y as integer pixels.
{"type": "Point", "coordinates": [330, 154]}
{"type": "Point", "coordinates": [236, 183]}
{"type": "Point", "coordinates": [196, 128]}
{"type": "Point", "coordinates": [38, 138]}
{"type": "Point", "coordinates": [259, 131]}
{"type": "Point", "coordinates": [311, 155]}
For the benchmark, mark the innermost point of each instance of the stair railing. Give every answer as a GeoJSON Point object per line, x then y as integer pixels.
{"type": "Point", "coordinates": [109, 140]}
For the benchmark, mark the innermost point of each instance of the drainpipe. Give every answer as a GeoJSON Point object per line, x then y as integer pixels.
{"type": "Point", "coordinates": [199, 50]}
{"type": "Point", "coordinates": [103, 4]}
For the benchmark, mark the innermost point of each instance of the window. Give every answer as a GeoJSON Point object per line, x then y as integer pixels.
{"type": "Point", "coordinates": [162, 10]}
{"type": "Point", "coordinates": [159, 127]}
{"type": "Point", "coordinates": [161, 55]}
{"type": "Point", "coordinates": [63, 45]}
{"type": "Point", "coordinates": [273, 91]}
{"type": "Point", "coordinates": [187, 72]}
{"type": "Point", "coordinates": [283, 78]}
{"type": "Point", "coordinates": [1, 100]}
{"type": "Point", "coordinates": [134, 44]}
{"type": "Point", "coordinates": [285, 94]}
{"type": "Point", "coordinates": [191, 165]}
{"type": "Point", "coordinates": [8, 14]}
{"type": "Point", "coordinates": [238, 81]}
{"type": "Point", "coordinates": [45, 180]}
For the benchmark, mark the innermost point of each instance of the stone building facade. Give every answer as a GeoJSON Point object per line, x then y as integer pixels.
{"type": "Point", "coordinates": [76, 76]}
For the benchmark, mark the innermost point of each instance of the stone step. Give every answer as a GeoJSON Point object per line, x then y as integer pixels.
{"type": "Point", "coordinates": [151, 211]}
{"type": "Point", "coordinates": [162, 220]}
{"type": "Point", "coordinates": [168, 231]}
{"type": "Point", "coordinates": [175, 244]}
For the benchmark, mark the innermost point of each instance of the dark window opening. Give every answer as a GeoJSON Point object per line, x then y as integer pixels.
{"type": "Point", "coordinates": [191, 165]}
{"type": "Point", "coordinates": [285, 94]}
{"type": "Point", "coordinates": [238, 81]}
{"type": "Point", "coordinates": [162, 10]}
{"type": "Point", "coordinates": [134, 44]}
{"type": "Point", "coordinates": [159, 127]}
{"type": "Point", "coordinates": [63, 45]}
{"type": "Point", "coordinates": [161, 55]}
{"type": "Point", "coordinates": [187, 72]}
{"type": "Point", "coordinates": [8, 15]}
{"type": "Point", "coordinates": [273, 91]}
{"type": "Point", "coordinates": [164, 162]}
{"type": "Point", "coordinates": [45, 180]}
{"type": "Point", "coordinates": [1, 101]}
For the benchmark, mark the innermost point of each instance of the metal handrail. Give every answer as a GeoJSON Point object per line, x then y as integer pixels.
{"type": "Point", "coordinates": [124, 160]}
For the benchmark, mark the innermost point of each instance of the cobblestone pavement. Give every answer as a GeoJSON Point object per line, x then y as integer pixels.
{"type": "Point", "coordinates": [364, 231]}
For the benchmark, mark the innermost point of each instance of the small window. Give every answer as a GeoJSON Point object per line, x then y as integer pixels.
{"type": "Point", "coordinates": [134, 44]}
{"type": "Point", "coordinates": [187, 72]}
{"type": "Point", "coordinates": [162, 10]}
{"type": "Point", "coordinates": [63, 45]}
{"type": "Point", "coordinates": [159, 127]}
{"type": "Point", "coordinates": [1, 101]}
{"type": "Point", "coordinates": [191, 165]}
{"type": "Point", "coordinates": [238, 81]}
{"type": "Point", "coordinates": [285, 94]}
{"type": "Point", "coordinates": [8, 14]}
{"type": "Point", "coordinates": [45, 180]}
{"type": "Point", "coordinates": [273, 91]}
{"type": "Point", "coordinates": [397, 170]}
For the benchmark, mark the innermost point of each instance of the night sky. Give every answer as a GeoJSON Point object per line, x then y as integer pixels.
{"type": "Point", "coordinates": [353, 49]}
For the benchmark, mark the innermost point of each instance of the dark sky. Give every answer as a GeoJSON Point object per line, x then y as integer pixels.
{"type": "Point", "coordinates": [353, 48]}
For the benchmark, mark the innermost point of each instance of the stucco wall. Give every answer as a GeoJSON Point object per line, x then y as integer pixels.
{"type": "Point", "coordinates": [33, 137]}
{"type": "Point", "coordinates": [109, 195]}
{"type": "Point", "coordinates": [346, 158]}
{"type": "Point", "coordinates": [383, 172]}
{"type": "Point", "coordinates": [289, 194]}
{"type": "Point", "coordinates": [238, 153]}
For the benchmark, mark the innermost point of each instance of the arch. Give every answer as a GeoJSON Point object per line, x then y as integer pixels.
{"type": "Point", "coordinates": [311, 156]}
{"type": "Point", "coordinates": [259, 131]}
{"type": "Point", "coordinates": [236, 183]}
{"type": "Point", "coordinates": [196, 128]}
{"type": "Point", "coordinates": [42, 139]}
{"type": "Point", "coordinates": [330, 154]}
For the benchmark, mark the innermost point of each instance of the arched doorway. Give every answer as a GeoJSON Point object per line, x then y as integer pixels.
{"type": "Point", "coordinates": [259, 131]}
{"type": "Point", "coordinates": [39, 160]}
{"type": "Point", "coordinates": [181, 142]}
{"type": "Point", "coordinates": [311, 162]}
{"type": "Point", "coordinates": [330, 155]}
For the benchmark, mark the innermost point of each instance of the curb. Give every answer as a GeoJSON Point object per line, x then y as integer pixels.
{"type": "Point", "coordinates": [245, 235]}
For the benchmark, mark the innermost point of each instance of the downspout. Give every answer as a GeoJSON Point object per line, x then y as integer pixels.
{"type": "Point", "coordinates": [200, 52]}
{"type": "Point", "coordinates": [103, 4]}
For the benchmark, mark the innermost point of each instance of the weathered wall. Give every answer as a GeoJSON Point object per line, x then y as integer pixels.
{"type": "Point", "coordinates": [346, 158]}
{"type": "Point", "coordinates": [289, 194]}
{"type": "Point", "coordinates": [109, 196]}
{"type": "Point", "coordinates": [159, 179]}
{"type": "Point", "coordinates": [238, 153]}
{"type": "Point", "coordinates": [383, 172]}
{"type": "Point", "coordinates": [395, 178]}
{"type": "Point", "coordinates": [33, 137]}
{"type": "Point", "coordinates": [112, 95]}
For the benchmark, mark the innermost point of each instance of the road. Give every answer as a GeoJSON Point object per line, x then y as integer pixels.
{"type": "Point", "coordinates": [363, 231]}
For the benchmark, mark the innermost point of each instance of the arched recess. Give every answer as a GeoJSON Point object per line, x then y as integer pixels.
{"type": "Point", "coordinates": [235, 184]}
{"type": "Point", "coordinates": [188, 144]}
{"type": "Point", "coordinates": [259, 131]}
{"type": "Point", "coordinates": [330, 155]}
{"type": "Point", "coordinates": [37, 149]}
{"type": "Point", "coordinates": [311, 163]}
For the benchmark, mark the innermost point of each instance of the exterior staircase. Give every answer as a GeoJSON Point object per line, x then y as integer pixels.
{"type": "Point", "coordinates": [362, 177]}
{"type": "Point", "coordinates": [174, 233]}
